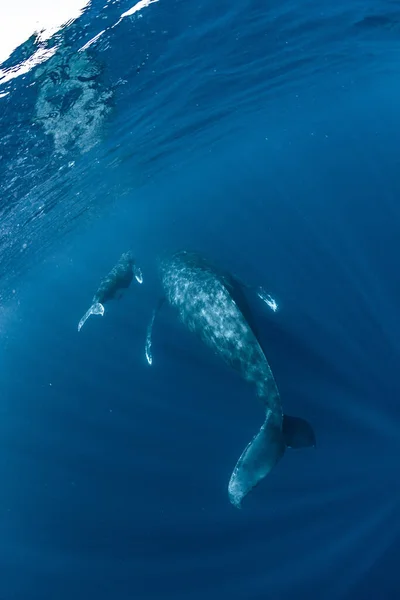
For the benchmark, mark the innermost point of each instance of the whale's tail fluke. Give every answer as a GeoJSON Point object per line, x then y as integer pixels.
{"type": "Point", "coordinates": [297, 432]}
{"type": "Point", "coordinates": [264, 451]}
{"type": "Point", "coordinates": [96, 309]}
{"type": "Point", "coordinates": [257, 460]}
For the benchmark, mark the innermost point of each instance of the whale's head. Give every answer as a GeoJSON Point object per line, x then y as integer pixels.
{"type": "Point", "coordinates": [128, 258]}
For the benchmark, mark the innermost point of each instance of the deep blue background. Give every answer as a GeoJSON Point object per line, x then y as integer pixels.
{"type": "Point", "coordinates": [269, 140]}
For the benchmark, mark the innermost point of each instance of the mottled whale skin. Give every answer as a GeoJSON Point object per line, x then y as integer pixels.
{"type": "Point", "coordinates": [119, 278]}
{"type": "Point", "coordinates": [211, 304]}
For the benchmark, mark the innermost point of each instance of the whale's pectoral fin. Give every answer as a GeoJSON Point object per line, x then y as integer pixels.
{"type": "Point", "coordinates": [260, 292]}
{"type": "Point", "coordinates": [297, 432]}
{"type": "Point", "coordinates": [257, 460]}
{"type": "Point", "coordinates": [267, 298]}
{"type": "Point", "coordinates": [96, 309]}
{"type": "Point", "coordinates": [138, 274]}
{"type": "Point", "coordinates": [149, 335]}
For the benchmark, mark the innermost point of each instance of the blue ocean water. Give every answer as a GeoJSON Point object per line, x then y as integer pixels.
{"type": "Point", "coordinates": [266, 136]}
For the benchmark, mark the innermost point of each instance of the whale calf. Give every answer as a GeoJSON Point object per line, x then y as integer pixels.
{"type": "Point", "coordinates": [212, 304]}
{"type": "Point", "coordinates": [118, 278]}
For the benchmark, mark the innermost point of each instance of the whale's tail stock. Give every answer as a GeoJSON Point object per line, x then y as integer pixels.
{"type": "Point", "coordinates": [264, 452]}
{"type": "Point", "coordinates": [96, 309]}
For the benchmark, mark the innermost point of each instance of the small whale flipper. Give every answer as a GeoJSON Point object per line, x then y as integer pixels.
{"type": "Point", "coordinates": [147, 351]}
{"type": "Point", "coordinates": [149, 335]}
{"type": "Point", "coordinates": [297, 433]}
{"type": "Point", "coordinates": [260, 292]}
{"type": "Point", "coordinates": [257, 460]}
{"type": "Point", "coordinates": [138, 274]}
{"type": "Point", "coordinates": [96, 309]}
{"type": "Point", "coordinates": [267, 298]}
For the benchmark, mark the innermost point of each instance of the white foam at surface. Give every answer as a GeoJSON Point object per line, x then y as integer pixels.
{"type": "Point", "coordinates": [40, 56]}
{"type": "Point", "coordinates": [138, 6]}
{"type": "Point", "coordinates": [22, 18]}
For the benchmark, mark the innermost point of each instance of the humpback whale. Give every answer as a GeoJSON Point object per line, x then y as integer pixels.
{"type": "Point", "coordinates": [211, 303]}
{"type": "Point", "coordinates": [118, 278]}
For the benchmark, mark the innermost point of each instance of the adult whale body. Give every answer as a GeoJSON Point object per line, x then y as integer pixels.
{"type": "Point", "coordinates": [119, 278]}
{"type": "Point", "coordinates": [212, 304]}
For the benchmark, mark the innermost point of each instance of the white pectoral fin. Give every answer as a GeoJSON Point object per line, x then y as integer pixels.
{"type": "Point", "coordinates": [147, 350]}
{"type": "Point", "coordinates": [261, 293]}
{"type": "Point", "coordinates": [96, 309]}
{"type": "Point", "coordinates": [149, 334]}
{"type": "Point", "coordinates": [267, 298]}
{"type": "Point", "coordinates": [138, 274]}
{"type": "Point", "coordinates": [257, 460]}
